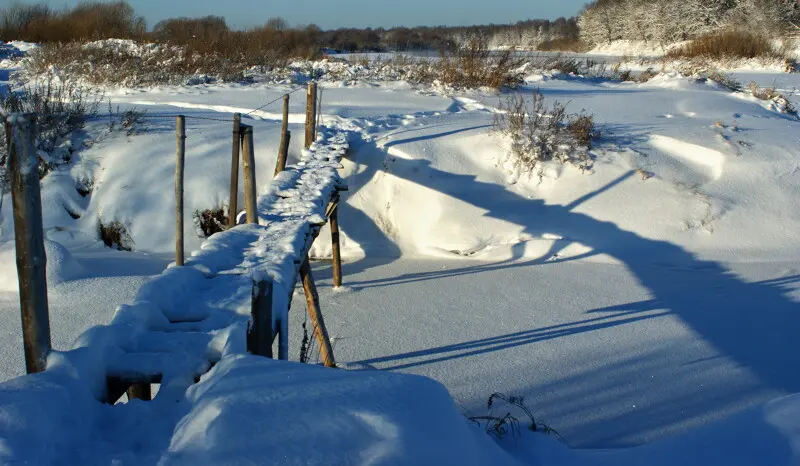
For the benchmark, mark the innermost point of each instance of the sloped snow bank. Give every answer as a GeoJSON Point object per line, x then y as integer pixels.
{"type": "Point", "coordinates": [61, 265]}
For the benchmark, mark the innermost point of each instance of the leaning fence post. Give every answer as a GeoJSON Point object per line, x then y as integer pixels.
{"type": "Point", "coordinates": [180, 137]}
{"type": "Point", "coordinates": [311, 114]}
{"type": "Point", "coordinates": [233, 208]}
{"type": "Point", "coordinates": [29, 236]}
{"type": "Point", "coordinates": [283, 150]}
{"type": "Point", "coordinates": [249, 159]}
{"type": "Point", "coordinates": [312, 302]}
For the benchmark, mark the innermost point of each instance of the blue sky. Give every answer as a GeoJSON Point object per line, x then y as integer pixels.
{"type": "Point", "coordinates": [357, 13]}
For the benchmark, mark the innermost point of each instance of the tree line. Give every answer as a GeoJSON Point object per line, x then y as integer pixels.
{"type": "Point", "coordinates": [96, 20]}
{"type": "Point", "coordinates": [601, 21]}
{"type": "Point", "coordinates": [670, 21]}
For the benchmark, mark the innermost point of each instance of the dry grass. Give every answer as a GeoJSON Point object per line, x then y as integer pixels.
{"type": "Point", "coordinates": [727, 44]}
{"type": "Point", "coordinates": [572, 44]}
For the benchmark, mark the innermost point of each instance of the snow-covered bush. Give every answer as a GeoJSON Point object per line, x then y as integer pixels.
{"type": "Point", "coordinates": [540, 132]}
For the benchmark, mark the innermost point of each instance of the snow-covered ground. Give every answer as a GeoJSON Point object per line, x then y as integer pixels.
{"type": "Point", "coordinates": [647, 298]}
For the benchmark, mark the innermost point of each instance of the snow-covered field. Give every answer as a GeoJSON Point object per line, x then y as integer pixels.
{"type": "Point", "coordinates": [646, 298]}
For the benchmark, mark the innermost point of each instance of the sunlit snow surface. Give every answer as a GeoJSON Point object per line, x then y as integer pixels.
{"type": "Point", "coordinates": [625, 308]}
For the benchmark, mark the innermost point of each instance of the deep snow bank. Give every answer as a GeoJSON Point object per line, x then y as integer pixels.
{"type": "Point", "coordinates": [250, 410]}
{"type": "Point", "coordinates": [247, 410]}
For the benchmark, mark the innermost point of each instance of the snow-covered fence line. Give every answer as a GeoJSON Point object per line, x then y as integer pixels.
{"type": "Point", "coordinates": [186, 319]}
{"type": "Point", "coordinates": [243, 262]}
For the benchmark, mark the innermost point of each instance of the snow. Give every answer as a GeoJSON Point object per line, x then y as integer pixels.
{"type": "Point", "coordinates": [655, 312]}
{"type": "Point", "coordinates": [634, 48]}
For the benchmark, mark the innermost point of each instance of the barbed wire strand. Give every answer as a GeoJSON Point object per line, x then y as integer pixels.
{"type": "Point", "coordinates": [273, 101]}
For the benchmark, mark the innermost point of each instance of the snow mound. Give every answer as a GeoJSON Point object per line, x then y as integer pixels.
{"type": "Point", "coordinates": [61, 265]}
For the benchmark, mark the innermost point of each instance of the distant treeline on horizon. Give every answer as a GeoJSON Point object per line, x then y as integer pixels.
{"type": "Point", "coordinates": [118, 20]}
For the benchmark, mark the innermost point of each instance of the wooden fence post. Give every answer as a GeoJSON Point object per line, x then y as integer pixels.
{"type": "Point", "coordinates": [335, 249]}
{"type": "Point", "coordinates": [180, 137]}
{"type": "Point", "coordinates": [311, 114]}
{"type": "Point", "coordinates": [23, 167]}
{"type": "Point", "coordinates": [260, 335]}
{"type": "Point", "coordinates": [249, 159]}
{"type": "Point", "coordinates": [233, 207]}
{"type": "Point", "coordinates": [312, 302]}
{"type": "Point", "coordinates": [283, 150]}
{"type": "Point", "coordinates": [283, 339]}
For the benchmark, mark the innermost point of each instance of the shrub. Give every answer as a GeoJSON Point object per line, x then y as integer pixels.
{"type": "Point", "coordinates": [729, 43]}
{"type": "Point", "coordinates": [726, 80]}
{"type": "Point", "coordinates": [540, 132]}
{"type": "Point", "coordinates": [210, 221]}
{"type": "Point", "coordinates": [61, 109]}
{"type": "Point", "coordinates": [560, 63]}
{"type": "Point", "coordinates": [582, 129]}
{"type": "Point", "coordinates": [130, 121]}
{"type": "Point", "coordinates": [781, 103]}
{"type": "Point", "coordinates": [115, 235]}
{"type": "Point", "coordinates": [565, 44]}
{"type": "Point", "coordinates": [646, 75]}
{"type": "Point", "coordinates": [474, 65]}
{"type": "Point", "coordinates": [500, 425]}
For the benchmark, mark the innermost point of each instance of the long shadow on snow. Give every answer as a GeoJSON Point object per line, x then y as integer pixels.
{"type": "Point", "coordinates": [501, 342]}
{"type": "Point", "coordinates": [754, 324]}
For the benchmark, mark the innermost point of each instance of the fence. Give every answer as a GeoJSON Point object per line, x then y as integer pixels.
{"type": "Point", "coordinates": [135, 369]}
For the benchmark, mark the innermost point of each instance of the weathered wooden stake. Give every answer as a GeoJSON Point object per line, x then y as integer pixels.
{"type": "Point", "coordinates": [312, 302]}
{"type": "Point", "coordinates": [180, 137]}
{"type": "Point", "coordinates": [311, 114]}
{"type": "Point", "coordinates": [260, 335]}
{"type": "Point", "coordinates": [249, 159]}
{"type": "Point", "coordinates": [23, 167]}
{"type": "Point", "coordinates": [233, 208]}
{"type": "Point", "coordinates": [337, 256]}
{"type": "Point", "coordinates": [283, 340]}
{"type": "Point", "coordinates": [283, 150]}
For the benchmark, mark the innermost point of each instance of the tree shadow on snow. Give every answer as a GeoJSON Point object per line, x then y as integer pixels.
{"type": "Point", "coordinates": [753, 324]}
